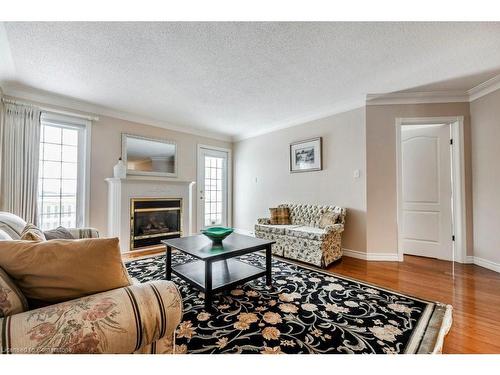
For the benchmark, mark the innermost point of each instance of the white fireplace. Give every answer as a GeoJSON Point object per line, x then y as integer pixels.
{"type": "Point", "coordinates": [121, 192]}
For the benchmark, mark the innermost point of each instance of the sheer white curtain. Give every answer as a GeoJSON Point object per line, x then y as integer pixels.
{"type": "Point", "coordinates": [20, 144]}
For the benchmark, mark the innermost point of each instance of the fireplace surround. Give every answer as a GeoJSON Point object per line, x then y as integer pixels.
{"type": "Point", "coordinates": [153, 220]}
{"type": "Point", "coordinates": [121, 192]}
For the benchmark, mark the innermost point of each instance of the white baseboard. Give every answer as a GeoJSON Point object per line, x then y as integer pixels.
{"type": "Point", "coordinates": [381, 257]}
{"type": "Point", "coordinates": [384, 257]}
{"type": "Point", "coordinates": [388, 257]}
{"type": "Point", "coordinates": [391, 257]}
{"type": "Point", "coordinates": [469, 259]}
{"type": "Point", "coordinates": [481, 262]}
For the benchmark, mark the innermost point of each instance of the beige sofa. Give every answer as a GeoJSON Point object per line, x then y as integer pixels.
{"type": "Point", "coordinates": [303, 239]}
{"type": "Point", "coordinates": [141, 318]}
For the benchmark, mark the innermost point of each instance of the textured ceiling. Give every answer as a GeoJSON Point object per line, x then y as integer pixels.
{"type": "Point", "coordinates": [244, 78]}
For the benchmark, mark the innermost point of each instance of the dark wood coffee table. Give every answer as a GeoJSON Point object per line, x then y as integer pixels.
{"type": "Point", "coordinates": [216, 267]}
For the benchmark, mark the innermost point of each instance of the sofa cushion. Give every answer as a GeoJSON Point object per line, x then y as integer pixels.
{"type": "Point", "coordinates": [328, 218]}
{"type": "Point", "coordinates": [83, 232]}
{"type": "Point", "coordinates": [58, 233]}
{"type": "Point", "coordinates": [305, 214]}
{"type": "Point", "coordinates": [60, 270]}
{"type": "Point", "coordinates": [12, 224]}
{"type": "Point", "coordinates": [310, 215]}
{"type": "Point", "coordinates": [32, 233]}
{"type": "Point", "coordinates": [280, 216]}
{"type": "Point", "coordinates": [311, 233]}
{"type": "Point", "coordinates": [4, 236]}
{"type": "Point", "coordinates": [276, 229]}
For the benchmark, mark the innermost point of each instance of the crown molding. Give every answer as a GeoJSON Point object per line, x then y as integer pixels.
{"type": "Point", "coordinates": [466, 96]}
{"type": "Point", "coordinates": [46, 98]}
{"type": "Point", "coordinates": [417, 97]}
{"type": "Point", "coordinates": [64, 102]}
{"type": "Point", "coordinates": [484, 88]}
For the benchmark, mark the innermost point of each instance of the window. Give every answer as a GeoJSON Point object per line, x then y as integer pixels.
{"type": "Point", "coordinates": [213, 190]}
{"type": "Point", "coordinates": [213, 186]}
{"type": "Point", "coordinates": [62, 172]}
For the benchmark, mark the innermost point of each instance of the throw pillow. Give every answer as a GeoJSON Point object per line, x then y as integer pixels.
{"type": "Point", "coordinates": [60, 270]}
{"type": "Point", "coordinates": [32, 233]}
{"type": "Point", "coordinates": [328, 218]}
{"type": "Point", "coordinates": [58, 233]}
{"type": "Point", "coordinates": [280, 216]}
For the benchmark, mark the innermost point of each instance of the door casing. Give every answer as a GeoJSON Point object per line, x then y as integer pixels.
{"type": "Point", "coordinates": [458, 180]}
{"type": "Point", "coordinates": [199, 184]}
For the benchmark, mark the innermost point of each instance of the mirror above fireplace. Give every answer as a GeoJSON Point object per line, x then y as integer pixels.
{"type": "Point", "coordinates": [148, 156]}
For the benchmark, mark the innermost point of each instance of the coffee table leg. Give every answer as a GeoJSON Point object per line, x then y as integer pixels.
{"type": "Point", "coordinates": [208, 286]}
{"type": "Point", "coordinates": [269, 255]}
{"type": "Point", "coordinates": [168, 263]}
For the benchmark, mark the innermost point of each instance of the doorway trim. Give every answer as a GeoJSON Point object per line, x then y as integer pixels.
{"type": "Point", "coordinates": [199, 219]}
{"type": "Point", "coordinates": [457, 177]}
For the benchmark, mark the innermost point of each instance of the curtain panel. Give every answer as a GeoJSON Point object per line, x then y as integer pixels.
{"type": "Point", "coordinates": [20, 145]}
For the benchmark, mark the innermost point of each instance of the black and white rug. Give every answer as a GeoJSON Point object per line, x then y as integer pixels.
{"type": "Point", "coordinates": [307, 311]}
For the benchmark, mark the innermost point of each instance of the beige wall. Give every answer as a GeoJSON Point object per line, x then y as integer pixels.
{"type": "Point", "coordinates": [106, 149]}
{"type": "Point", "coordinates": [262, 178]}
{"type": "Point", "coordinates": [485, 118]}
{"type": "Point", "coordinates": [361, 139]}
{"type": "Point", "coordinates": [381, 221]}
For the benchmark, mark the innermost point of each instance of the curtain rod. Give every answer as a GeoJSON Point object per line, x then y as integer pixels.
{"type": "Point", "coordinates": [51, 109]}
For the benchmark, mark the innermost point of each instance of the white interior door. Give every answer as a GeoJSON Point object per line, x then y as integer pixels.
{"type": "Point", "coordinates": [426, 216]}
{"type": "Point", "coordinates": [212, 188]}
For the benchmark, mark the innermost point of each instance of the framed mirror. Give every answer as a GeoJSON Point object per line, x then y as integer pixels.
{"type": "Point", "coordinates": [148, 156]}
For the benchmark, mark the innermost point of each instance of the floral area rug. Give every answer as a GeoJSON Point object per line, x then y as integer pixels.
{"type": "Point", "coordinates": [307, 311]}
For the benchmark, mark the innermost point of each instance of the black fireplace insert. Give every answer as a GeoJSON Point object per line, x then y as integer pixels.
{"type": "Point", "coordinates": [153, 220]}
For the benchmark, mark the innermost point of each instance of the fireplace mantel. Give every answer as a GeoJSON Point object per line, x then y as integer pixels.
{"type": "Point", "coordinates": [148, 179]}
{"type": "Point", "coordinates": [121, 190]}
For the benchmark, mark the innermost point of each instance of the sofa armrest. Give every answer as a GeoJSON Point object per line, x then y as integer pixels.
{"type": "Point", "coordinates": [79, 233]}
{"type": "Point", "coordinates": [334, 228]}
{"type": "Point", "coordinates": [122, 320]}
{"type": "Point", "coordinates": [264, 221]}
{"type": "Point", "coordinates": [12, 300]}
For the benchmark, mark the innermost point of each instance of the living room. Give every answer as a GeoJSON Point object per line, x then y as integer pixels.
{"type": "Point", "coordinates": [254, 187]}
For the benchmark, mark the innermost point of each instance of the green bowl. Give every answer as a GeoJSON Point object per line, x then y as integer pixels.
{"type": "Point", "coordinates": [217, 234]}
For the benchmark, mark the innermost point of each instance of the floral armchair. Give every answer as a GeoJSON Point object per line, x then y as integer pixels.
{"type": "Point", "coordinates": [140, 318]}
{"type": "Point", "coordinates": [303, 239]}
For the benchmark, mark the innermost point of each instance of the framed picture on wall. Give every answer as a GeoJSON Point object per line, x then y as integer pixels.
{"type": "Point", "coordinates": [305, 156]}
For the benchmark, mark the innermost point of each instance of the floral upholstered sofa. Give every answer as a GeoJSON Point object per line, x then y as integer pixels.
{"type": "Point", "coordinates": [140, 318]}
{"type": "Point", "coordinates": [303, 239]}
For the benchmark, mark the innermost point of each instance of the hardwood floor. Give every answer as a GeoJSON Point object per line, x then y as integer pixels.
{"type": "Point", "coordinates": [474, 293]}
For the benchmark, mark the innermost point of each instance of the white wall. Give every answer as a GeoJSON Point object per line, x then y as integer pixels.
{"type": "Point", "coordinates": [262, 178]}
{"type": "Point", "coordinates": [485, 136]}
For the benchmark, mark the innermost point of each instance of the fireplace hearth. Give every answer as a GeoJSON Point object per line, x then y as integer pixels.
{"type": "Point", "coordinates": [153, 220]}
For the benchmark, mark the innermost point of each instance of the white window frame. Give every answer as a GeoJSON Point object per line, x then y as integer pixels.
{"type": "Point", "coordinates": [84, 127]}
